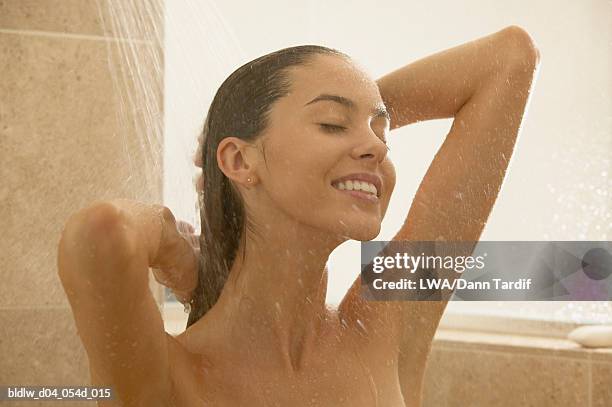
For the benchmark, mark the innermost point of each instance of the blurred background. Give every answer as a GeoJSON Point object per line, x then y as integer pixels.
{"type": "Point", "coordinates": [102, 99]}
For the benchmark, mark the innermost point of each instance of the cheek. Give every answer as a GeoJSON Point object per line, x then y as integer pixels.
{"type": "Point", "coordinates": [303, 159]}
{"type": "Point", "coordinates": [387, 172]}
{"type": "Point", "coordinates": [297, 177]}
{"type": "Point", "coordinates": [389, 177]}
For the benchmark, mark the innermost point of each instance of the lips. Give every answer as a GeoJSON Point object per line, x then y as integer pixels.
{"type": "Point", "coordinates": [363, 176]}
{"type": "Point", "coordinates": [361, 195]}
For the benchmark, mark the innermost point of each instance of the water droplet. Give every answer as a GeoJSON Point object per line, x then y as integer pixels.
{"type": "Point", "coordinates": [361, 325]}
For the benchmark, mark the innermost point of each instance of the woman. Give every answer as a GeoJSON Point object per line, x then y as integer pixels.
{"type": "Point", "coordinates": [281, 134]}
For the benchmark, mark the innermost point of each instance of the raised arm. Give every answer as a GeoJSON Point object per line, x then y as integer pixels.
{"type": "Point", "coordinates": [438, 86]}
{"type": "Point", "coordinates": [485, 85]}
{"type": "Point", "coordinates": [104, 256]}
{"type": "Point", "coordinates": [492, 77]}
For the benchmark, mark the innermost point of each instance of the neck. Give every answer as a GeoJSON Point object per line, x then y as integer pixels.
{"type": "Point", "coordinates": [273, 303]}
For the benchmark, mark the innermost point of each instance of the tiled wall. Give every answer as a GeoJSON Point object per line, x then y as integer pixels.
{"type": "Point", "coordinates": [69, 135]}
{"type": "Point", "coordinates": [479, 370]}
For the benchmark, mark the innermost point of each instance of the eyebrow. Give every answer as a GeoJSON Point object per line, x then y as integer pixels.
{"type": "Point", "coordinates": [378, 111]}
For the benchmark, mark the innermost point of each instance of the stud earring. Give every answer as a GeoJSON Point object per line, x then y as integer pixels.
{"type": "Point", "coordinates": [248, 179]}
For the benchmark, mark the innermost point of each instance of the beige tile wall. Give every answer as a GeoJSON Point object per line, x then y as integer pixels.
{"type": "Point", "coordinates": [601, 378]}
{"type": "Point", "coordinates": [127, 19]}
{"type": "Point", "coordinates": [72, 130]}
{"type": "Point", "coordinates": [479, 370]}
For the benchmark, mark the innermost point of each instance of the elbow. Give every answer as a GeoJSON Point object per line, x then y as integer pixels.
{"type": "Point", "coordinates": [521, 45]}
{"type": "Point", "coordinates": [522, 55]}
{"type": "Point", "coordinates": [90, 236]}
{"type": "Point", "coordinates": [87, 223]}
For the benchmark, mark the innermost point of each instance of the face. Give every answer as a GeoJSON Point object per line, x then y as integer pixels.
{"type": "Point", "coordinates": [309, 144]}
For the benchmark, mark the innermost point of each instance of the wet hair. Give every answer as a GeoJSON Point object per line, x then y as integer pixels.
{"type": "Point", "coordinates": [239, 109]}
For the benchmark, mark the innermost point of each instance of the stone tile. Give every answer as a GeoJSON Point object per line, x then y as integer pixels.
{"type": "Point", "coordinates": [602, 384]}
{"type": "Point", "coordinates": [128, 19]}
{"type": "Point", "coordinates": [497, 342]}
{"type": "Point", "coordinates": [42, 348]}
{"type": "Point", "coordinates": [74, 123]}
{"type": "Point", "coordinates": [480, 378]}
{"type": "Point", "coordinates": [601, 355]}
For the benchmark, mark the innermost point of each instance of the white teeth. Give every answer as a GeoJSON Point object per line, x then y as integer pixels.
{"type": "Point", "coordinates": [351, 185]}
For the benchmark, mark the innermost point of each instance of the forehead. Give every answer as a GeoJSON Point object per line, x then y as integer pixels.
{"type": "Point", "coordinates": [332, 74]}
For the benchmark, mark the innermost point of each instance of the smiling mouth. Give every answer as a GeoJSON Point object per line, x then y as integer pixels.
{"type": "Point", "coordinates": [358, 194]}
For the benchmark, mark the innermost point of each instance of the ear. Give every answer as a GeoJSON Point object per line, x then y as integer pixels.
{"type": "Point", "coordinates": [234, 159]}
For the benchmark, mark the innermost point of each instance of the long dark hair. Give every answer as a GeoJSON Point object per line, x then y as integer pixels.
{"type": "Point", "coordinates": [240, 109]}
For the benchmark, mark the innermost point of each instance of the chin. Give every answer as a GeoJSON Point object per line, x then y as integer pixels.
{"type": "Point", "coordinates": [360, 232]}
{"type": "Point", "coordinates": [366, 236]}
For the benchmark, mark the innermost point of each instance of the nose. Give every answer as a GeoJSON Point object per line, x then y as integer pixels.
{"type": "Point", "coordinates": [373, 148]}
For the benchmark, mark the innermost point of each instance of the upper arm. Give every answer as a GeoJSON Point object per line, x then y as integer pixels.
{"type": "Point", "coordinates": [106, 282]}
{"type": "Point", "coordinates": [453, 202]}
{"type": "Point", "coordinates": [458, 191]}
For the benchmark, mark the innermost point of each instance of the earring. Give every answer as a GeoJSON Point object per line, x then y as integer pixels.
{"type": "Point", "coordinates": [249, 179]}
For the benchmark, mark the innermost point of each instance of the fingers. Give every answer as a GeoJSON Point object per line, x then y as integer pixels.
{"type": "Point", "coordinates": [184, 227]}
{"type": "Point", "coordinates": [179, 272]}
{"type": "Point", "coordinates": [194, 241]}
{"type": "Point", "coordinates": [163, 277]}
{"type": "Point", "coordinates": [199, 183]}
{"type": "Point", "coordinates": [197, 159]}
{"type": "Point", "coordinates": [189, 233]}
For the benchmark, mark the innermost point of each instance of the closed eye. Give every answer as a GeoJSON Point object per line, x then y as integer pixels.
{"type": "Point", "coordinates": [332, 128]}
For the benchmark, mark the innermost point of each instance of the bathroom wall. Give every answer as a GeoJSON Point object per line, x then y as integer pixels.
{"type": "Point", "coordinates": [72, 130]}
{"type": "Point", "coordinates": [482, 370]}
